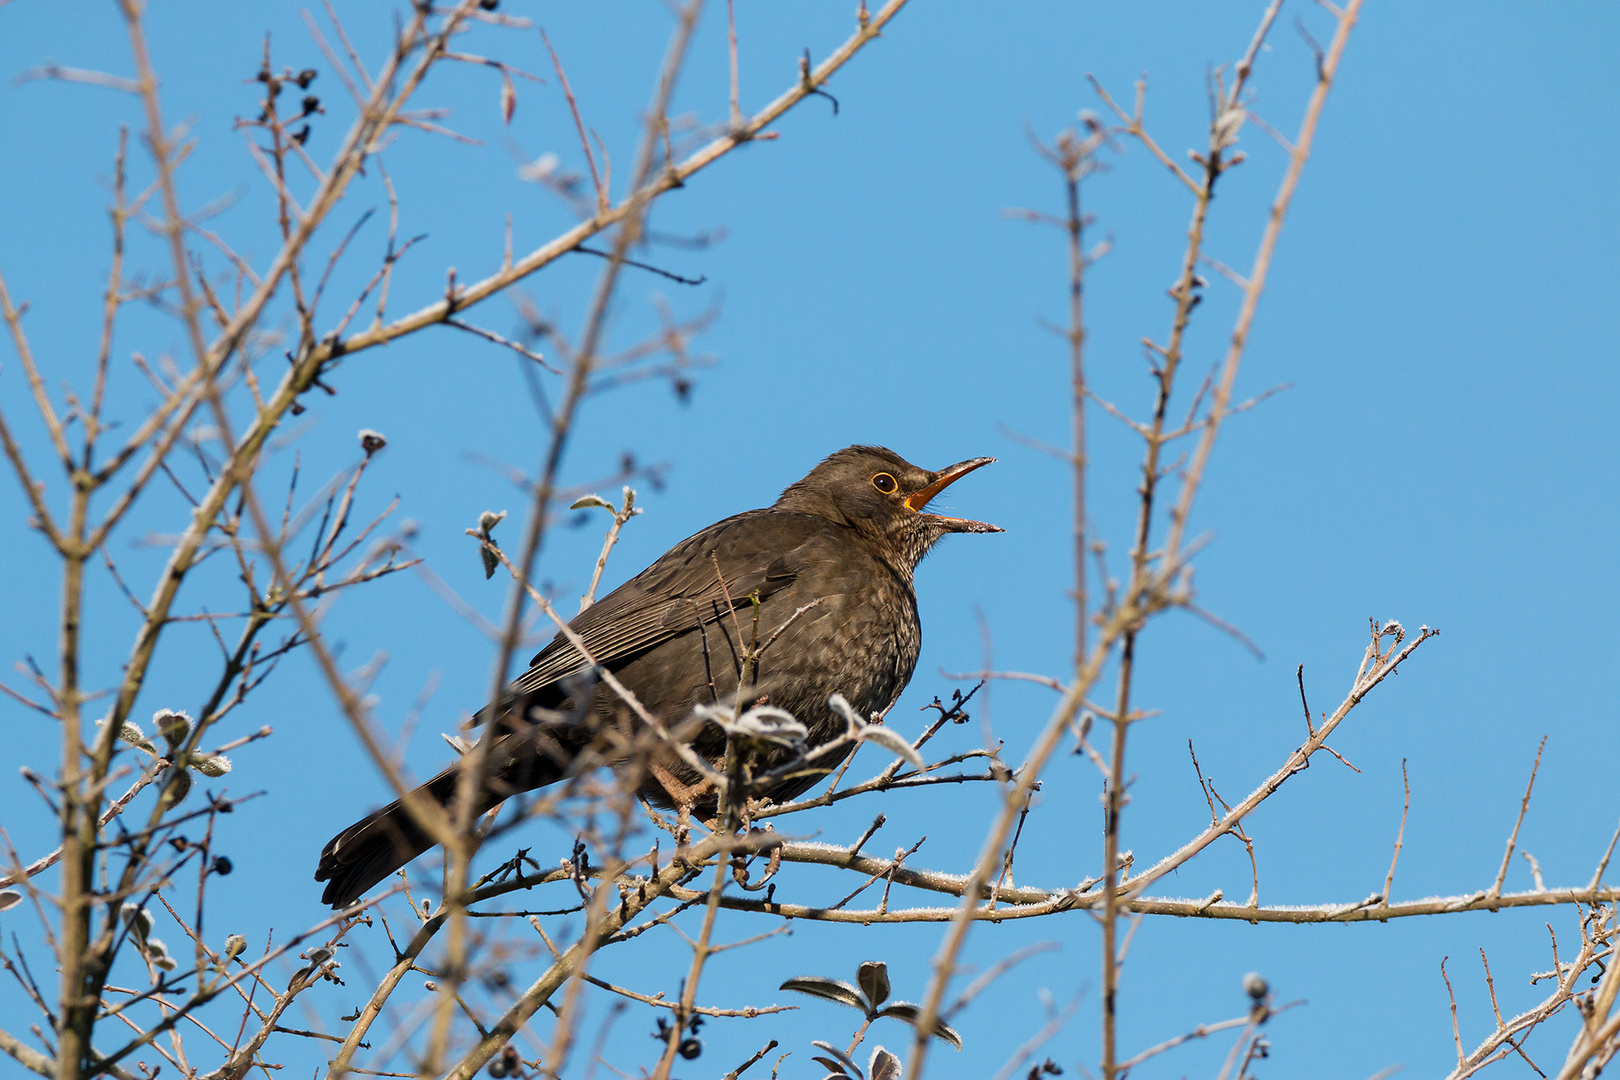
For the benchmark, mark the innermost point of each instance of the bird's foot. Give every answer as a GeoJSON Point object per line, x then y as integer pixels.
{"type": "Point", "coordinates": [684, 797]}
{"type": "Point", "coordinates": [761, 842]}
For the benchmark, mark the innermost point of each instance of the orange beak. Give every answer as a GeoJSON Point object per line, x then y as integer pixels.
{"type": "Point", "coordinates": [943, 479]}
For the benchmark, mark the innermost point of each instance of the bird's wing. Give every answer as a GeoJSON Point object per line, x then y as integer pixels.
{"type": "Point", "coordinates": [683, 590]}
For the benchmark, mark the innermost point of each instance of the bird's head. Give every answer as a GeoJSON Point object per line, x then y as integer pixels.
{"type": "Point", "coordinates": [883, 497]}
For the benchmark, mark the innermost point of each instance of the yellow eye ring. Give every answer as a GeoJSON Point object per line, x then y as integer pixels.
{"type": "Point", "coordinates": [885, 483]}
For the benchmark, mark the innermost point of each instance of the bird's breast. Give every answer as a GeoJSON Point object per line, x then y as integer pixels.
{"type": "Point", "coordinates": [861, 639]}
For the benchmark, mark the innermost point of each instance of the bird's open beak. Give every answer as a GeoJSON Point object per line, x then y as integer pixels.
{"type": "Point", "coordinates": [942, 480]}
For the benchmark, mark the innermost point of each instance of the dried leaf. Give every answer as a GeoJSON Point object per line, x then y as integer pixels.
{"type": "Point", "coordinates": [884, 1066]}
{"type": "Point", "coordinates": [893, 742]}
{"type": "Point", "coordinates": [174, 725]}
{"type": "Point", "coordinates": [1228, 124]}
{"type": "Point", "coordinates": [131, 733]}
{"type": "Point", "coordinates": [9, 898]}
{"type": "Point", "coordinates": [213, 765]}
{"type": "Point", "coordinates": [175, 785]}
{"type": "Point", "coordinates": [158, 953]}
{"type": "Point", "coordinates": [842, 707]}
{"type": "Point", "coordinates": [540, 168]}
{"type": "Point", "coordinates": [831, 989]}
{"type": "Point", "coordinates": [764, 723]}
{"type": "Point", "coordinates": [905, 1010]}
{"type": "Point", "coordinates": [508, 97]}
{"type": "Point", "coordinates": [873, 977]}
{"type": "Point", "coordinates": [139, 921]}
{"type": "Point", "coordinates": [843, 1061]}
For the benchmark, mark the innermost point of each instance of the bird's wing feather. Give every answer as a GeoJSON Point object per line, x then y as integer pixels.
{"type": "Point", "coordinates": [678, 593]}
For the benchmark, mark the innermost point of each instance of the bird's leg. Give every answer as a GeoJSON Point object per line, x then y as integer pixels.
{"type": "Point", "coordinates": [683, 796]}
{"type": "Point", "coordinates": [739, 871]}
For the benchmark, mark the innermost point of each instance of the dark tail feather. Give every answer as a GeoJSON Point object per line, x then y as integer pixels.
{"type": "Point", "coordinates": [378, 844]}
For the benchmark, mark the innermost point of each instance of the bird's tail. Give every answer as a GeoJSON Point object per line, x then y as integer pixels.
{"type": "Point", "coordinates": [520, 758]}
{"type": "Point", "coordinates": [378, 844]}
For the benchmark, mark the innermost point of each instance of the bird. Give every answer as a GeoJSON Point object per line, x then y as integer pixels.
{"type": "Point", "coordinates": [787, 605]}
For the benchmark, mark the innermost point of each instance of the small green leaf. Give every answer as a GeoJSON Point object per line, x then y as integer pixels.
{"type": "Point", "coordinates": [831, 989]}
{"type": "Point", "coordinates": [585, 502]}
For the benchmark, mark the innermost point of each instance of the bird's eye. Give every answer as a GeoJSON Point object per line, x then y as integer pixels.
{"type": "Point", "coordinates": [884, 483]}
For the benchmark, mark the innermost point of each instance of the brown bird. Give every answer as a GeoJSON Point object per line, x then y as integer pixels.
{"type": "Point", "coordinates": [830, 567]}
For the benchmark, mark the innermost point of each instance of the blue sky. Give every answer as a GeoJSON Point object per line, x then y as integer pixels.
{"type": "Point", "coordinates": [1444, 454]}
